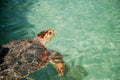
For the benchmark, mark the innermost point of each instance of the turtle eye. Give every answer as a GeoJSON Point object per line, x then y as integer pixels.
{"type": "Point", "coordinates": [50, 33]}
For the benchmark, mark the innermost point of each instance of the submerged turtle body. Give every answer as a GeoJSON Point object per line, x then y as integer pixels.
{"type": "Point", "coordinates": [22, 64]}
{"type": "Point", "coordinates": [27, 56]}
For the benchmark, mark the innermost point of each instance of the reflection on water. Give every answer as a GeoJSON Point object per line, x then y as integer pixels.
{"type": "Point", "coordinates": [87, 34]}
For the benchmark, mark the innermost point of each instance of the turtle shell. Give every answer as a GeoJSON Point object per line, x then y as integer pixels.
{"type": "Point", "coordinates": [24, 57]}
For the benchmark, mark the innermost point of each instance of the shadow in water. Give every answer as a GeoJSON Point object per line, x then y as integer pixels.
{"type": "Point", "coordinates": [13, 20]}
{"type": "Point", "coordinates": [3, 53]}
{"type": "Point", "coordinates": [75, 72]}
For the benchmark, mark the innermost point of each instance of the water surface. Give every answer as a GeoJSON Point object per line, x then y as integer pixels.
{"type": "Point", "coordinates": [87, 34]}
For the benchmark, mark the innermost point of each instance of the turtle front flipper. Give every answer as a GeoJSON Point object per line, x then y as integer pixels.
{"type": "Point", "coordinates": [59, 67]}
{"type": "Point", "coordinates": [57, 61]}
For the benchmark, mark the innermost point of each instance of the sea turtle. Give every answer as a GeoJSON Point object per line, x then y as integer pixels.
{"type": "Point", "coordinates": [27, 56]}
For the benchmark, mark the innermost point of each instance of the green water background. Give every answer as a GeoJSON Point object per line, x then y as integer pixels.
{"type": "Point", "coordinates": [87, 34]}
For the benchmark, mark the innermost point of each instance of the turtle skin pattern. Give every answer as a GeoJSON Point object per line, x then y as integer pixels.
{"type": "Point", "coordinates": [27, 57]}
{"type": "Point", "coordinates": [21, 57]}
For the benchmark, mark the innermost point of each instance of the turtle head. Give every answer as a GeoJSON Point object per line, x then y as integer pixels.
{"type": "Point", "coordinates": [45, 36]}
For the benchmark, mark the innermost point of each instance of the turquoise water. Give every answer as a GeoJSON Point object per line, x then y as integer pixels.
{"type": "Point", "coordinates": [87, 34]}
